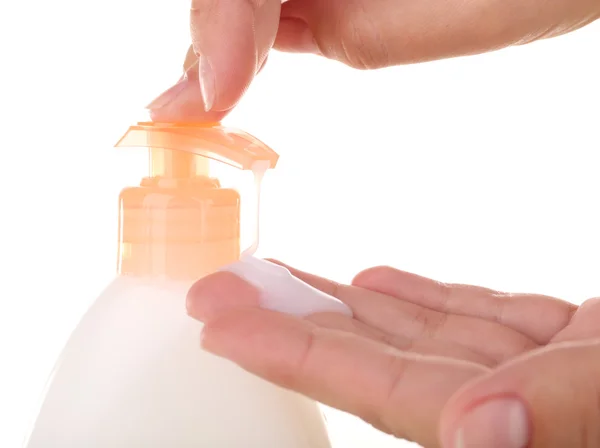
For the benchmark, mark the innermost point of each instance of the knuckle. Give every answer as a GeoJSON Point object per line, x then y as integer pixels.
{"type": "Point", "coordinates": [304, 359]}
{"type": "Point", "coordinates": [292, 374]}
{"type": "Point", "coordinates": [358, 49]}
{"type": "Point", "coordinates": [445, 292]}
{"type": "Point", "coordinates": [356, 40]}
{"type": "Point", "coordinates": [364, 49]}
{"type": "Point", "coordinates": [397, 372]}
{"type": "Point", "coordinates": [434, 324]}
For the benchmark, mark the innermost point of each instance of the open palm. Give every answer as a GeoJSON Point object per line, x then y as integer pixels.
{"type": "Point", "coordinates": [412, 343]}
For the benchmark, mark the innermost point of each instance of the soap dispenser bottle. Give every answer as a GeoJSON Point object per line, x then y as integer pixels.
{"type": "Point", "coordinates": [132, 374]}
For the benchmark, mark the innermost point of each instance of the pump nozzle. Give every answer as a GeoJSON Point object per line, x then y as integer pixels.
{"type": "Point", "coordinates": [181, 222]}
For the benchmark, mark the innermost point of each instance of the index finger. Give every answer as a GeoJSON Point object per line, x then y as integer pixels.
{"type": "Point", "coordinates": [398, 392]}
{"type": "Point", "coordinates": [232, 39]}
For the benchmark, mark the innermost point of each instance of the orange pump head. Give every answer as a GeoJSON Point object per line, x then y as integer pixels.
{"type": "Point", "coordinates": [180, 223]}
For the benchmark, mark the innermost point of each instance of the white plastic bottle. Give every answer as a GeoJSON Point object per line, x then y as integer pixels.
{"type": "Point", "coordinates": [132, 374]}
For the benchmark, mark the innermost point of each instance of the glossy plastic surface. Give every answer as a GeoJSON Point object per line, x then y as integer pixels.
{"type": "Point", "coordinates": [178, 228]}
{"type": "Point", "coordinates": [133, 376]}
{"type": "Point", "coordinates": [231, 146]}
{"type": "Point", "coordinates": [132, 373]}
{"type": "Point", "coordinates": [180, 223]}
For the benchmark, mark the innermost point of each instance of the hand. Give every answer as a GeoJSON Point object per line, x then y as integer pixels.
{"type": "Point", "coordinates": [434, 363]}
{"type": "Point", "coordinates": [233, 37]}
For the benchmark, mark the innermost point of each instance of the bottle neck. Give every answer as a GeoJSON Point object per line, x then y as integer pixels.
{"type": "Point", "coordinates": [178, 224]}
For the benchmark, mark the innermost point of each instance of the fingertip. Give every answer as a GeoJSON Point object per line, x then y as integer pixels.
{"type": "Point", "coordinates": [183, 103]}
{"type": "Point", "coordinates": [218, 294]}
{"type": "Point", "coordinates": [497, 421]}
{"type": "Point", "coordinates": [373, 276]}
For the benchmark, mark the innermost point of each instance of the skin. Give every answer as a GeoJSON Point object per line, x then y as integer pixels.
{"type": "Point", "coordinates": [437, 364]}
{"type": "Point", "coordinates": [419, 355]}
{"type": "Point", "coordinates": [234, 37]}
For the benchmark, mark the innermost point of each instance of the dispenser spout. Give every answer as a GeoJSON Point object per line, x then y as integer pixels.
{"type": "Point", "coordinates": [181, 222]}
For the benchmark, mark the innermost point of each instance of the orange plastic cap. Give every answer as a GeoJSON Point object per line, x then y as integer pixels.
{"type": "Point", "coordinates": [212, 140]}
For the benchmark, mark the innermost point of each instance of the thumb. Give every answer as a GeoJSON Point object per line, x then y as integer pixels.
{"type": "Point", "coordinates": [231, 39]}
{"type": "Point", "coordinates": [547, 399]}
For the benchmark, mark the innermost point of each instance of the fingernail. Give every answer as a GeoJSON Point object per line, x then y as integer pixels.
{"type": "Point", "coordinates": [168, 95]}
{"type": "Point", "coordinates": [497, 423]}
{"type": "Point", "coordinates": [207, 83]}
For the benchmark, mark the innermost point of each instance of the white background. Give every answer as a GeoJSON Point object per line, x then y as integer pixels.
{"type": "Point", "coordinates": [480, 170]}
